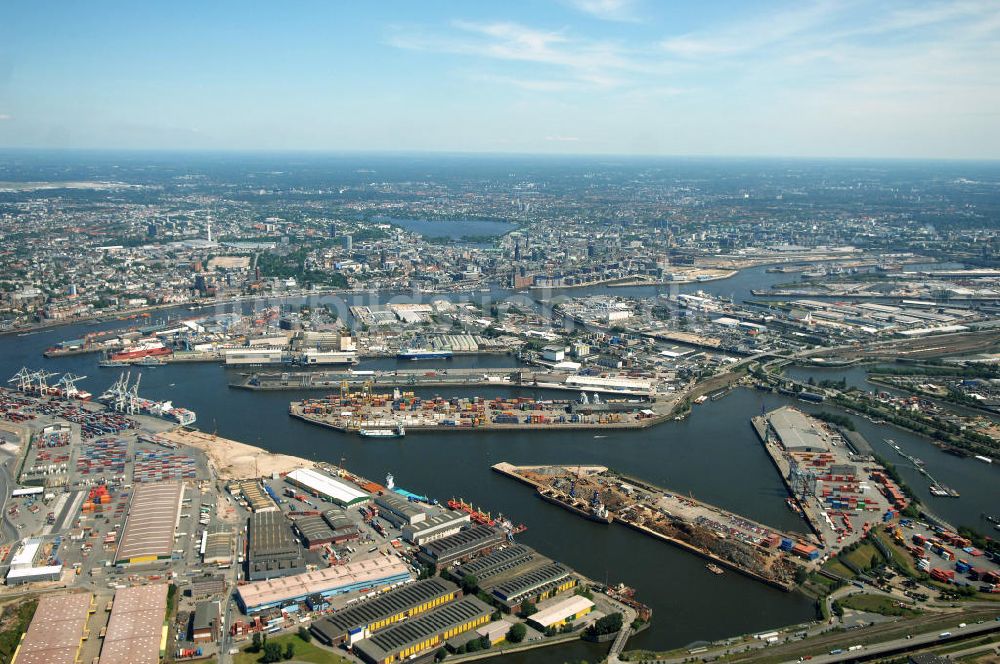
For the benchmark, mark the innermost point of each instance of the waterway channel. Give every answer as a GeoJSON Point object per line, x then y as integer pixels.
{"type": "Point", "coordinates": [714, 454]}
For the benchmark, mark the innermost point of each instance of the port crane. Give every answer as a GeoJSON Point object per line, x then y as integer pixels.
{"type": "Point", "coordinates": [68, 384]}
{"type": "Point", "coordinates": [42, 380]}
{"type": "Point", "coordinates": [123, 397]}
{"type": "Point", "coordinates": [23, 378]}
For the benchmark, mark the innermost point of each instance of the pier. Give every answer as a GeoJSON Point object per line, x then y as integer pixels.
{"type": "Point", "coordinates": [463, 377]}
{"type": "Point", "coordinates": [721, 537]}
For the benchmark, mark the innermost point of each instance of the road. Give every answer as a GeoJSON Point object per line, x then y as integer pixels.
{"type": "Point", "coordinates": [8, 533]}
{"type": "Point", "coordinates": [628, 617]}
{"type": "Point", "coordinates": [227, 614]}
{"type": "Point", "coordinates": [904, 644]}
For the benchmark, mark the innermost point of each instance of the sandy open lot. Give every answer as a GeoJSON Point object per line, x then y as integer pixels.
{"type": "Point", "coordinates": [234, 460]}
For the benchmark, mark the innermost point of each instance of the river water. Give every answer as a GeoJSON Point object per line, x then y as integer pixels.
{"type": "Point", "coordinates": [714, 454]}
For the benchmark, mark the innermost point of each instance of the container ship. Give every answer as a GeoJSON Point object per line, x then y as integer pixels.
{"type": "Point", "coordinates": [167, 411]}
{"type": "Point", "coordinates": [397, 432]}
{"type": "Point", "coordinates": [140, 350]}
{"type": "Point", "coordinates": [123, 397]}
{"type": "Point", "coordinates": [486, 519]}
{"type": "Point", "coordinates": [424, 354]}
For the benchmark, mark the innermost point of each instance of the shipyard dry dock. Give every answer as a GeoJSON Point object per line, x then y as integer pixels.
{"type": "Point", "coordinates": [404, 412]}
{"type": "Point", "coordinates": [724, 538]}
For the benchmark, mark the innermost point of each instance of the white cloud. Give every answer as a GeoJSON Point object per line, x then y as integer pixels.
{"type": "Point", "coordinates": [593, 63]}
{"type": "Point", "coordinates": [4, 116]}
{"type": "Point", "coordinates": [563, 139]}
{"type": "Point", "coordinates": [608, 10]}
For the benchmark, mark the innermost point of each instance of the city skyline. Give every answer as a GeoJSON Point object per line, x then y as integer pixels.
{"type": "Point", "coordinates": [622, 77]}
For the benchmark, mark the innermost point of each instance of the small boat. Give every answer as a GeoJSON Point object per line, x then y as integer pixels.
{"type": "Point", "coordinates": [713, 568]}
{"type": "Point", "coordinates": [599, 437]}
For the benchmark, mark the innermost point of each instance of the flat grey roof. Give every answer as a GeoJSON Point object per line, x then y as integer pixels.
{"type": "Point", "coordinates": [313, 528]}
{"type": "Point", "coordinates": [796, 431]}
{"type": "Point", "coordinates": [498, 561]}
{"type": "Point", "coordinates": [271, 536]}
{"type": "Point", "coordinates": [531, 581]}
{"type": "Point", "coordinates": [438, 519]}
{"type": "Point", "coordinates": [462, 542]}
{"type": "Point", "coordinates": [397, 503]}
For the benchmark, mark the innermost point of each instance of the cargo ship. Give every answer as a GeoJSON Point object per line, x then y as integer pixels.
{"type": "Point", "coordinates": [714, 569]}
{"type": "Point", "coordinates": [123, 397]}
{"type": "Point", "coordinates": [397, 432]}
{"type": "Point", "coordinates": [594, 510]}
{"type": "Point", "coordinates": [140, 350]}
{"type": "Point", "coordinates": [424, 354]}
{"type": "Point", "coordinates": [481, 517]}
{"type": "Point", "coordinates": [107, 362]}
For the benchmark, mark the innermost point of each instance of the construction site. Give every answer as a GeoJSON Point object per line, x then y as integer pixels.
{"type": "Point", "coordinates": [725, 539]}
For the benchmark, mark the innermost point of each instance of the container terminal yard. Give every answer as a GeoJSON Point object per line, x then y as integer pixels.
{"type": "Point", "coordinates": [840, 491]}
{"type": "Point", "coordinates": [460, 377]}
{"type": "Point", "coordinates": [842, 495]}
{"type": "Point", "coordinates": [119, 510]}
{"type": "Point", "coordinates": [399, 412]}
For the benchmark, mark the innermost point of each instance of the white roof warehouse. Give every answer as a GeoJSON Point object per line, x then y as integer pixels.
{"type": "Point", "coordinates": [326, 487]}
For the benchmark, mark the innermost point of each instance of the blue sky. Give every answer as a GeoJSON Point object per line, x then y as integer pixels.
{"type": "Point", "coordinates": [866, 79]}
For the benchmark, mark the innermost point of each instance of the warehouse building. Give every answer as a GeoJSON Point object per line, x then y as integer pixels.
{"type": "Point", "coordinates": [328, 488]}
{"type": "Point", "coordinates": [502, 560]}
{"type": "Point", "coordinates": [273, 550]}
{"type": "Point", "coordinates": [217, 546]}
{"type": "Point", "coordinates": [435, 526]}
{"type": "Point", "coordinates": [413, 637]}
{"type": "Point", "coordinates": [206, 621]}
{"type": "Point", "coordinates": [461, 546]}
{"type": "Point", "coordinates": [153, 515]}
{"type": "Point", "coordinates": [375, 573]}
{"type": "Point", "coordinates": [254, 494]}
{"type": "Point", "coordinates": [495, 631]}
{"type": "Point", "coordinates": [22, 565]}
{"type": "Point", "coordinates": [398, 510]}
{"type": "Point", "coordinates": [361, 620]}
{"type": "Point", "coordinates": [57, 630]}
{"type": "Point", "coordinates": [255, 356]}
{"type": "Point", "coordinates": [344, 530]}
{"type": "Point", "coordinates": [206, 586]}
{"type": "Point", "coordinates": [537, 584]}
{"type": "Point", "coordinates": [796, 432]}
{"type": "Point", "coordinates": [314, 531]}
{"type": "Point", "coordinates": [136, 632]}
{"type": "Point", "coordinates": [564, 611]}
